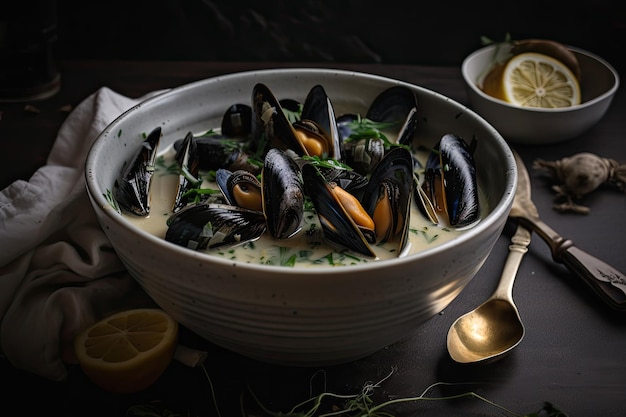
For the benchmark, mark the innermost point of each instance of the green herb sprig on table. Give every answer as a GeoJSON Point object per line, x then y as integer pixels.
{"type": "Point", "coordinates": [363, 405]}
{"type": "Point", "coordinates": [344, 405]}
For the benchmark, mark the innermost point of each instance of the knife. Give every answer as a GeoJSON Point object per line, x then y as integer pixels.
{"type": "Point", "coordinates": [607, 282]}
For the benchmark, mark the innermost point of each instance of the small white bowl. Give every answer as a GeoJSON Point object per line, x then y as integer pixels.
{"type": "Point", "coordinates": [298, 316]}
{"type": "Point", "coordinates": [536, 126]}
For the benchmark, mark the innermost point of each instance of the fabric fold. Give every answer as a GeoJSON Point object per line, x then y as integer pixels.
{"type": "Point", "coordinates": [58, 271]}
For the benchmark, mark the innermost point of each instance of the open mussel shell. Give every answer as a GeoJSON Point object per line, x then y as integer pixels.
{"type": "Point", "coordinates": [283, 194]}
{"type": "Point", "coordinates": [132, 191]}
{"type": "Point", "coordinates": [240, 188]}
{"type": "Point", "coordinates": [394, 109]}
{"type": "Point", "coordinates": [405, 136]}
{"type": "Point", "coordinates": [348, 179]}
{"type": "Point", "coordinates": [423, 200]}
{"type": "Point", "coordinates": [313, 134]}
{"type": "Point", "coordinates": [338, 227]}
{"type": "Point", "coordinates": [450, 181]}
{"type": "Point", "coordinates": [270, 121]}
{"type": "Point", "coordinates": [189, 165]}
{"type": "Point", "coordinates": [210, 226]}
{"type": "Point", "coordinates": [318, 108]}
{"type": "Point", "coordinates": [218, 151]}
{"type": "Point", "coordinates": [397, 104]}
{"type": "Point", "coordinates": [460, 181]}
{"type": "Point", "coordinates": [388, 197]}
{"type": "Point", "coordinates": [392, 104]}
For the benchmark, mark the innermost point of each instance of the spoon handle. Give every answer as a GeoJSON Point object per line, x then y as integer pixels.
{"type": "Point", "coordinates": [517, 249]}
{"type": "Point", "coordinates": [606, 281]}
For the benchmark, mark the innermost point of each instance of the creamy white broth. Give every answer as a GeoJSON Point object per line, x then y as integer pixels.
{"type": "Point", "coordinates": [302, 249]}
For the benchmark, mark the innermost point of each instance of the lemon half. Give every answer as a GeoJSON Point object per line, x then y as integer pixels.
{"type": "Point", "coordinates": [128, 351]}
{"type": "Point", "coordinates": [536, 80]}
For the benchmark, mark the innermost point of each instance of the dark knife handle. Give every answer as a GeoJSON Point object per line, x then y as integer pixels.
{"type": "Point", "coordinates": [597, 274]}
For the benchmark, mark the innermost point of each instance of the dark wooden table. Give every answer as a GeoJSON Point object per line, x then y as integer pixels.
{"type": "Point", "coordinates": [573, 354]}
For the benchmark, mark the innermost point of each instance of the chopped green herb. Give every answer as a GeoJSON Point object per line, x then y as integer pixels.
{"type": "Point", "coordinates": [425, 234]}
{"type": "Point", "coordinates": [260, 150]}
{"type": "Point", "coordinates": [327, 163]}
{"type": "Point", "coordinates": [194, 195]}
{"type": "Point", "coordinates": [171, 169]}
{"type": "Point", "coordinates": [111, 200]}
{"type": "Point", "coordinates": [291, 261]}
{"type": "Point", "coordinates": [184, 171]}
{"type": "Point", "coordinates": [293, 116]}
{"type": "Point", "coordinates": [209, 132]}
{"type": "Point", "coordinates": [363, 128]}
{"type": "Point", "coordinates": [209, 175]}
{"type": "Point", "coordinates": [356, 258]}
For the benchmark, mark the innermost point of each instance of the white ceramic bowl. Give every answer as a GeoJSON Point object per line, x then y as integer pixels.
{"type": "Point", "coordinates": [298, 316]}
{"type": "Point", "coordinates": [535, 126]}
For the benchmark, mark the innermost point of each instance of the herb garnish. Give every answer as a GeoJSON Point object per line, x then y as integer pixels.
{"type": "Point", "coordinates": [169, 169]}
{"type": "Point", "coordinates": [424, 232]}
{"type": "Point", "coordinates": [364, 128]}
{"type": "Point", "coordinates": [361, 404]}
{"type": "Point", "coordinates": [111, 200]}
{"type": "Point", "coordinates": [293, 115]}
{"type": "Point", "coordinates": [326, 163]}
{"type": "Point", "coordinates": [194, 195]}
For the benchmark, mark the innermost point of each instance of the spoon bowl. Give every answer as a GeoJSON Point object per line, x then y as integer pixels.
{"type": "Point", "coordinates": [494, 328]}
{"type": "Point", "coordinates": [486, 333]}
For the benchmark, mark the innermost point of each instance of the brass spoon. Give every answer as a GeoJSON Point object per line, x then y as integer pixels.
{"type": "Point", "coordinates": [494, 328]}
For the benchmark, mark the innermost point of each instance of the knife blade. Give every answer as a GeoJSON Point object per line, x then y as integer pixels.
{"type": "Point", "coordinates": [606, 281]}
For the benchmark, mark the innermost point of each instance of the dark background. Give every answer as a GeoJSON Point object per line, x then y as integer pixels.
{"type": "Point", "coordinates": [36, 35]}
{"type": "Point", "coordinates": [367, 31]}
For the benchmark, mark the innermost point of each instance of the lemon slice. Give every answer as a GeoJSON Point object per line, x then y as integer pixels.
{"type": "Point", "coordinates": [128, 351]}
{"type": "Point", "coordinates": [532, 79]}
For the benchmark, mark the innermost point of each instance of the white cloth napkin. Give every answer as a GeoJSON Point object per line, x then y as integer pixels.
{"type": "Point", "coordinates": [58, 271]}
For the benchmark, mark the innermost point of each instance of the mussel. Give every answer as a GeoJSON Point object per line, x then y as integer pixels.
{"type": "Point", "coordinates": [209, 226]}
{"type": "Point", "coordinates": [348, 179]}
{"type": "Point", "coordinates": [275, 204]}
{"type": "Point", "coordinates": [218, 151]}
{"type": "Point", "coordinates": [319, 124]}
{"type": "Point", "coordinates": [189, 165]}
{"type": "Point", "coordinates": [132, 191]}
{"type": "Point", "coordinates": [381, 216]}
{"type": "Point", "coordinates": [362, 138]}
{"type": "Point", "coordinates": [338, 224]}
{"type": "Point", "coordinates": [397, 104]}
{"type": "Point", "coordinates": [388, 197]}
{"type": "Point", "coordinates": [283, 194]}
{"type": "Point", "coordinates": [450, 181]}
{"type": "Point", "coordinates": [240, 188]}
{"type": "Point", "coordinates": [314, 134]}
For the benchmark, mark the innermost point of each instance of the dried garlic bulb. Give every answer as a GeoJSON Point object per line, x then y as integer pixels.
{"type": "Point", "coordinates": [579, 175]}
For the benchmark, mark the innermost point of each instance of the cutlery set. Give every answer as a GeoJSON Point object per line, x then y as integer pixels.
{"type": "Point", "coordinates": [494, 328]}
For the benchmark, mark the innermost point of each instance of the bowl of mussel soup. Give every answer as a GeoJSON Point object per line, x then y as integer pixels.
{"type": "Point", "coordinates": [301, 217]}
